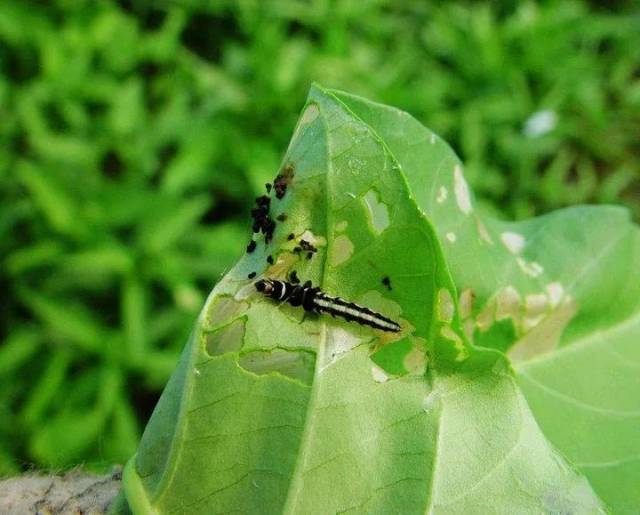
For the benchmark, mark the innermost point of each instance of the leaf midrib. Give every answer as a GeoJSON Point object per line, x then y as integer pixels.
{"type": "Point", "coordinates": [298, 472]}
{"type": "Point", "coordinates": [297, 477]}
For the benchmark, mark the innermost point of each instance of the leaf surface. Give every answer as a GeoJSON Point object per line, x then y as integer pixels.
{"type": "Point", "coordinates": [273, 410]}
{"type": "Point", "coordinates": [559, 294]}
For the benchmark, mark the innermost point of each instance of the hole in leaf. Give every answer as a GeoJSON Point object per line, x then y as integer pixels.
{"type": "Point", "coordinates": [378, 211]}
{"type": "Point", "coordinates": [299, 365]}
{"type": "Point", "coordinates": [224, 309]}
{"type": "Point", "coordinates": [229, 338]}
{"type": "Point", "coordinates": [342, 250]}
{"type": "Point", "coordinates": [391, 357]}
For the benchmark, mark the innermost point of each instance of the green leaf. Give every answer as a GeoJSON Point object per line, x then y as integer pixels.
{"type": "Point", "coordinates": [69, 321]}
{"type": "Point", "coordinates": [559, 294]}
{"type": "Point", "coordinates": [272, 411]}
{"type": "Point", "coordinates": [164, 227]}
{"type": "Point", "coordinates": [56, 205]}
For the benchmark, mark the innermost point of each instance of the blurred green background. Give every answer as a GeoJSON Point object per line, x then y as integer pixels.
{"type": "Point", "coordinates": [135, 135]}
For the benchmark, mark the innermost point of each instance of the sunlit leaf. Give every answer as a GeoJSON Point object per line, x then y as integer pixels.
{"type": "Point", "coordinates": [271, 410]}
{"type": "Point", "coordinates": [559, 294]}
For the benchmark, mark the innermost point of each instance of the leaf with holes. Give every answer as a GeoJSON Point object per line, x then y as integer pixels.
{"type": "Point", "coordinates": [276, 409]}
{"type": "Point", "coordinates": [559, 294]}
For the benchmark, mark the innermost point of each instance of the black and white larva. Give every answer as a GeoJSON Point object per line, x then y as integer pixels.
{"type": "Point", "coordinates": [313, 299]}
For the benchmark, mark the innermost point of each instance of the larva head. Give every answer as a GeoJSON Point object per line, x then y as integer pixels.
{"type": "Point", "coordinates": [264, 286]}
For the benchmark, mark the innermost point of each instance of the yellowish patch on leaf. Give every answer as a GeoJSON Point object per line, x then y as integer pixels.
{"type": "Point", "coordinates": [341, 250]}
{"type": "Point", "coordinates": [317, 241]}
{"type": "Point", "coordinates": [447, 332]}
{"type": "Point", "coordinates": [508, 303]}
{"type": "Point", "coordinates": [555, 291]}
{"type": "Point", "coordinates": [535, 304]}
{"type": "Point", "coordinates": [341, 226]}
{"type": "Point", "coordinates": [446, 307]}
{"type": "Point", "coordinates": [379, 375]}
{"type": "Point", "coordinates": [378, 211]}
{"type": "Point", "coordinates": [469, 327]}
{"type": "Point", "coordinates": [513, 241]}
{"type": "Point", "coordinates": [461, 189]}
{"type": "Point", "coordinates": [309, 115]}
{"type": "Point", "coordinates": [483, 232]}
{"type": "Point", "coordinates": [223, 310]}
{"type": "Point", "coordinates": [538, 319]}
{"type": "Point", "coordinates": [487, 315]}
{"type": "Point", "coordinates": [229, 338]}
{"type": "Point", "coordinates": [284, 262]}
{"type": "Point", "coordinates": [465, 303]}
{"type": "Point", "coordinates": [545, 335]}
{"type": "Point", "coordinates": [415, 362]}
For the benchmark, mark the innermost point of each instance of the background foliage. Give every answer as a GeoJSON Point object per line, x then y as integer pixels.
{"type": "Point", "coordinates": [134, 136]}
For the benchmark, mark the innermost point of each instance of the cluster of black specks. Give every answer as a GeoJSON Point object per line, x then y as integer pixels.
{"type": "Point", "coordinates": [283, 180]}
{"type": "Point", "coordinates": [262, 221]}
{"type": "Point", "coordinates": [293, 277]}
{"type": "Point", "coordinates": [387, 282]}
{"type": "Point", "coordinates": [307, 247]}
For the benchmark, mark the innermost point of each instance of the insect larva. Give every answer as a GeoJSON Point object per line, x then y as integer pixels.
{"type": "Point", "coordinates": [313, 299]}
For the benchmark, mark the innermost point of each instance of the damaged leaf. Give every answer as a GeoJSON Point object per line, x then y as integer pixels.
{"type": "Point", "coordinates": [559, 294]}
{"type": "Point", "coordinates": [273, 409]}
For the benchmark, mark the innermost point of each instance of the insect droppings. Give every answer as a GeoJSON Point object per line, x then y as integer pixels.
{"type": "Point", "coordinates": [251, 247]}
{"type": "Point", "coordinates": [270, 259]}
{"type": "Point", "coordinates": [314, 300]}
{"type": "Point", "coordinates": [305, 245]}
{"type": "Point", "coordinates": [262, 221]}
{"type": "Point", "coordinates": [291, 236]}
{"type": "Point", "coordinates": [387, 282]}
{"type": "Point", "coordinates": [251, 275]}
{"type": "Point", "coordinates": [283, 180]}
{"type": "Point", "coordinates": [281, 217]}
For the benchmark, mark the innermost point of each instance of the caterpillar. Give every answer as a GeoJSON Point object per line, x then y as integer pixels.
{"type": "Point", "coordinates": [315, 300]}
